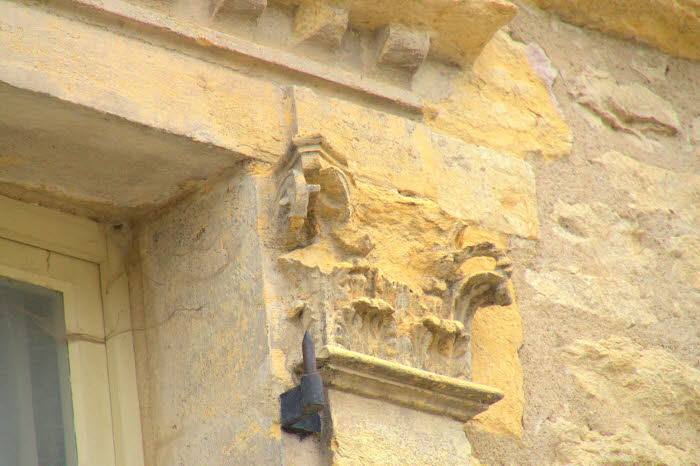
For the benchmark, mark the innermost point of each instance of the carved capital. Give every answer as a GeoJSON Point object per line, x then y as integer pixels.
{"type": "Point", "coordinates": [385, 275]}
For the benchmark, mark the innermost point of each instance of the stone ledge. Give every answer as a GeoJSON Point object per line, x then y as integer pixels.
{"type": "Point", "coordinates": [402, 385]}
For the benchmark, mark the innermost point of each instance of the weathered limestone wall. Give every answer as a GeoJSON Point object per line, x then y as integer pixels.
{"type": "Point", "coordinates": [610, 292]}
{"type": "Point", "coordinates": [201, 332]}
{"type": "Point", "coordinates": [517, 207]}
{"type": "Point", "coordinates": [672, 26]}
{"type": "Point", "coordinates": [597, 353]}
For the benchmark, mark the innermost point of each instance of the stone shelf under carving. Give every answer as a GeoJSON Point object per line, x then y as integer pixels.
{"type": "Point", "coordinates": [403, 385]}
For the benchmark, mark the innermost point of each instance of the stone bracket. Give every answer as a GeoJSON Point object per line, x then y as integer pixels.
{"type": "Point", "coordinates": [312, 178]}
{"type": "Point", "coordinates": [321, 23]}
{"type": "Point", "coordinates": [249, 9]}
{"type": "Point", "coordinates": [402, 47]}
{"type": "Point", "coordinates": [403, 385]}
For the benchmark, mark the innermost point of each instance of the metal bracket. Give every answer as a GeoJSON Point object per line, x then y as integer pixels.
{"type": "Point", "coordinates": [300, 405]}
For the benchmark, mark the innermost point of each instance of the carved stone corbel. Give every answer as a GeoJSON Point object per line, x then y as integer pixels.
{"type": "Point", "coordinates": [320, 22]}
{"type": "Point", "coordinates": [247, 9]}
{"type": "Point", "coordinates": [314, 185]}
{"type": "Point", "coordinates": [402, 47]}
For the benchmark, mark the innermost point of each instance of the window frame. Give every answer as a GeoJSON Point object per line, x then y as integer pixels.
{"type": "Point", "coordinates": [77, 257]}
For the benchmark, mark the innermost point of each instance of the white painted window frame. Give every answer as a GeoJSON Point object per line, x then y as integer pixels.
{"type": "Point", "coordinates": [75, 256]}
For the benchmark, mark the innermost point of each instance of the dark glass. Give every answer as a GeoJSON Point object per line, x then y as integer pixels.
{"type": "Point", "coordinates": [36, 413]}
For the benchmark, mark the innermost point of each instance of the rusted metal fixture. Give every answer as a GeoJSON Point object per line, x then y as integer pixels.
{"type": "Point", "coordinates": [300, 405]}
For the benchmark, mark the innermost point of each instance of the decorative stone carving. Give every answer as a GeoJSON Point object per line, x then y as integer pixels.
{"type": "Point", "coordinates": [402, 47]}
{"type": "Point", "coordinates": [442, 346]}
{"type": "Point", "coordinates": [476, 285]}
{"type": "Point", "coordinates": [367, 325]}
{"type": "Point", "coordinates": [365, 312]}
{"type": "Point", "coordinates": [369, 289]}
{"type": "Point", "coordinates": [293, 204]}
{"type": "Point", "coordinates": [312, 183]}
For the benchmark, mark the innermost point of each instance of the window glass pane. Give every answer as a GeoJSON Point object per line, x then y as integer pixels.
{"type": "Point", "coordinates": [36, 415]}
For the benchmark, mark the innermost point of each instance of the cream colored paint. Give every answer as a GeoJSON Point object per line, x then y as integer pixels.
{"type": "Point", "coordinates": [121, 365]}
{"type": "Point", "coordinates": [48, 229]}
{"type": "Point", "coordinates": [103, 380]}
{"type": "Point", "coordinates": [79, 283]}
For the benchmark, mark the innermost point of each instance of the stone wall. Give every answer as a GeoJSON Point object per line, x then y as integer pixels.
{"type": "Point", "coordinates": [610, 292]}
{"type": "Point", "coordinates": [516, 207]}
{"type": "Point", "coordinates": [596, 347]}
{"type": "Point", "coordinates": [201, 335]}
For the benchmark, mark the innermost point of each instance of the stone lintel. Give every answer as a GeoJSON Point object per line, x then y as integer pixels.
{"type": "Point", "coordinates": [403, 385]}
{"type": "Point", "coordinates": [145, 24]}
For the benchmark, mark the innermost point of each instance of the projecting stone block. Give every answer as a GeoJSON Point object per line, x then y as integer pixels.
{"type": "Point", "coordinates": [402, 47]}
{"type": "Point", "coordinates": [319, 22]}
{"type": "Point", "coordinates": [248, 9]}
{"type": "Point", "coordinates": [461, 29]}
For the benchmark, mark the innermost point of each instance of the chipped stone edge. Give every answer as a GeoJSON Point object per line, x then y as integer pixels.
{"type": "Point", "coordinates": [406, 386]}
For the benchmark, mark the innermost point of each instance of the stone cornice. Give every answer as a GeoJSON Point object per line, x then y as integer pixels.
{"type": "Point", "coordinates": [421, 390]}
{"type": "Point", "coordinates": [458, 29]}
{"type": "Point", "coordinates": [193, 39]}
{"type": "Point", "coordinates": [406, 33]}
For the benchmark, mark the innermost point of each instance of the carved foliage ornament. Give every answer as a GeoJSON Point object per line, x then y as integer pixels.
{"type": "Point", "coordinates": [360, 309]}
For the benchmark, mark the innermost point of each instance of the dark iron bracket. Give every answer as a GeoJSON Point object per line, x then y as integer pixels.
{"type": "Point", "coordinates": [301, 405]}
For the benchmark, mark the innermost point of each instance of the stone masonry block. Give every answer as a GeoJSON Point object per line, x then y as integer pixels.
{"type": "Point", "coordinates": [402, 47]}
{"type": "Point", "coordinates": [319, 22]}
{"type": "Point", "coordinates": [249, 9]}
